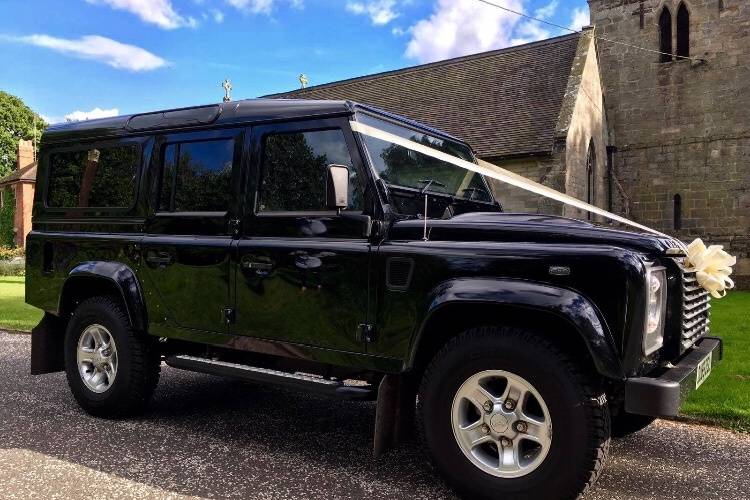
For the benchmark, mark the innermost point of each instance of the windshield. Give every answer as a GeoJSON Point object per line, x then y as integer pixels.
{"type": "Point", "coordinates": [401, 167]}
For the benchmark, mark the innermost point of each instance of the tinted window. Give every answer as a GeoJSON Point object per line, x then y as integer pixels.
{"type": "Point", "coordinates": [196, 176]}
{"type": "Point", "coordinates": [295, 170]}
{"type": "Point", "coordinates": [96, 177]}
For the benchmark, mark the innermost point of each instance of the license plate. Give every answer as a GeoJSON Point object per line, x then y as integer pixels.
{"type": "Point", "coordinates": [703, 370]}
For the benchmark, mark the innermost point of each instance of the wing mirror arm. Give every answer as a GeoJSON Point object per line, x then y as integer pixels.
{"type": "Point", "coordinates": [337, 197]}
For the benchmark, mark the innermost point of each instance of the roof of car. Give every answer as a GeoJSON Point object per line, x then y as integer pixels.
{"type": "Point", "coordinates": [227, 113]}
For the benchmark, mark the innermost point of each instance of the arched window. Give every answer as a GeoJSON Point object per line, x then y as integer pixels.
{"type": "Point", "coordinates": [665, 35]}
{"type": "Point", "coordinates": [591, 175]}
{"type": "Point", "coordinates": [677, 211]}
{"type": "Point", "coordinates": [683, 31]}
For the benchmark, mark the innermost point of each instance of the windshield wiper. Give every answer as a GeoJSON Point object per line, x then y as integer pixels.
{"type": "Point", "coordinates": [427, 183]}
{"type": "Point", "coordinates": [474, 190]}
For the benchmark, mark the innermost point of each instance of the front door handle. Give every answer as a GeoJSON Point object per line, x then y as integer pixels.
{"type": "Point", "coordinates": [161, 259]}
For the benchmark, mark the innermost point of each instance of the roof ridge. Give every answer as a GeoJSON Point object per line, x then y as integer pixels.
{"type": "Point", "coordinates": [443, 62]}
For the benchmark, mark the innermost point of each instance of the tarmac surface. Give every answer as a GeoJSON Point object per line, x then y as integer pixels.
{"type": "Point", "coordinates": [214, 438]}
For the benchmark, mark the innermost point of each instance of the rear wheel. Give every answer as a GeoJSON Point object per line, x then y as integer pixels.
{"type": "Point", "coordinates": [112, 370]}
{"type": "Point", "coordinates": [505, 414]}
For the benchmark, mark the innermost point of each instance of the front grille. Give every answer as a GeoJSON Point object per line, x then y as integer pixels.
{"type": "Point", "coordinates": [696, 307]}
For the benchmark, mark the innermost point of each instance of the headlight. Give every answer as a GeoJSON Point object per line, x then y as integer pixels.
{"type": "Point", "coordinates": [656, 299]}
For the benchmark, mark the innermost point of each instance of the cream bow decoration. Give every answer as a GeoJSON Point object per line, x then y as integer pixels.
{"type": "Point", "coordinates": [712, 267]}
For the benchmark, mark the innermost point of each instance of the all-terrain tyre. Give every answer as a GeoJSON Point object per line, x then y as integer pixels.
{"type": "Point", "coordinates": [625, 424]}
{"type": "Point", "coordinates": [559, 449]}
{"type": "Point", "coordinates": [112, 369]}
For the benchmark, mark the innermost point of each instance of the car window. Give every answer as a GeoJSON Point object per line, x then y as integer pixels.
{"type": "Point", "coordinates": [196, 176]}
{"type": "Point", "coordinates": [294, 170]}
{"type": "Point", "coordinates": [94, 177]}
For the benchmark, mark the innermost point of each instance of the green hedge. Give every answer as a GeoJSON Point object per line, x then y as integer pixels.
{"type": "Point", "coordinates": [6, 219]}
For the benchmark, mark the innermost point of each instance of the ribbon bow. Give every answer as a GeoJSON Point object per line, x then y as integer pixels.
{"type": "Point", "coordinates": [712, 267]}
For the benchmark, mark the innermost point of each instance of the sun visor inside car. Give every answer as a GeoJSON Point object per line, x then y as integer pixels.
{"type": "Point", "coordinates": [176, 118]}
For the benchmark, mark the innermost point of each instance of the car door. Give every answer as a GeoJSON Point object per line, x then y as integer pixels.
{"type": "Point", "coordinates": [186, 247]}
{"type": "Point", "coordinates": [303, 270]}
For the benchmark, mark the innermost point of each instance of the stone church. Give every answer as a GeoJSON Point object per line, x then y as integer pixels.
{"type": "Point", "coordinates": [643, 114]}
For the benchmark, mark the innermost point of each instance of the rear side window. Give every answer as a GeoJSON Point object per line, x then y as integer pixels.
{"type": "Point", "coordinates": [196, 176]}
{"type": "Point", "coordinates": [295, 171]}
{"type": "Point", "coordinates": [95, 177]}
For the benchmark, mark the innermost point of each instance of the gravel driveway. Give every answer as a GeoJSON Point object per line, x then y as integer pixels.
{"type": "Point", "coordinates": [210, 437]}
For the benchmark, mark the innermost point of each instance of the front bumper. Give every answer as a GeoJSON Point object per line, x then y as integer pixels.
{"type": "Point", "coordinates": [662, 396]}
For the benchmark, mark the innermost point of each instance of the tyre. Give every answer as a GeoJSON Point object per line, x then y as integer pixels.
{"type": "Point", "coordinates": [112, 370]}
{"type": "Point", "coordinates": [502, 413]}
{"type": "Point", "coordinates": [625, 424]}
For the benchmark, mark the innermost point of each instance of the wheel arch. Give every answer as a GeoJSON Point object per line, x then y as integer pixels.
{"type": "Point", "coordinates": [90, 279]}
{"type": "Point", "coordinates": [460, 304]}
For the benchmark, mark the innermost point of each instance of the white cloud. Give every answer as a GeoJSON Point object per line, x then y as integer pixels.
{"type": "Point", "coordinates": [263, 6]}
{"type": "Point", "coordinates": [158, 12]}
{"type": "Point", "coordinates": [76, 116]}
{"type": "Point", "coordinates": [529, 31]}
{"type": "Point", "coordinates": [253, 6]}
{"type": "Point", "coordinates": [217, 15]}
{"type": "Point", "coordinates": [547, 10]}
{"type": "Point", "coordinates": [49, 120]}
{"type": "Point", "coordinates": [580, 18]}
{"type": "Point", "coordinates": [398, 31]}
{"type": "Point", "coordinates": [380, 11]}
{"type": "Point", "coordinates": [460, 27]}
{"type": "Point", "coordinates": [101, 49]}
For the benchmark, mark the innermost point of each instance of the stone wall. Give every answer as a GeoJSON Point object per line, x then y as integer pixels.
{"type": "Point", "coordinates": [583, 127]}
{"type": "Point", "coordinates": [681, 127]}
{"type": "Point", "coordinates": [548, 170]}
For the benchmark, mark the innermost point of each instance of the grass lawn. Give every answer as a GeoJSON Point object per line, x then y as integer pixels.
{"type": "Point", "coordinates": [725, 397]}
{"type": "Point", "coordinates": [15, 314]}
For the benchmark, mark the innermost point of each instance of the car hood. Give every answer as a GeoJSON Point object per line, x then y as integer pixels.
{"type": "Point", "coordinates": [508, 227]}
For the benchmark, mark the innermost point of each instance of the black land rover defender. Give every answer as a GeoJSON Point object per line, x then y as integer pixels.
{"type": "Point", "coordinates": [266, 240]}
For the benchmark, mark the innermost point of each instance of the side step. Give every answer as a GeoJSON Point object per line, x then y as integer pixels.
{"type": "Point", "coordinates": [267, 376]}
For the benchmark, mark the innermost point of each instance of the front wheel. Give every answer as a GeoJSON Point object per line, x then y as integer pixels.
{"type": "Point", "coordinates": [112, 370]}
{"type": "Point", "coordinates": [505, 414]}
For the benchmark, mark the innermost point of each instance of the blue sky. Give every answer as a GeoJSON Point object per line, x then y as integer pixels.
{"type": "Point", "coordinates": [84, 58]}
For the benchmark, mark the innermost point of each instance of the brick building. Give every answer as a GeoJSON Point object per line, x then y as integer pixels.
{"type": "Point", "coordinates": [20, 182]}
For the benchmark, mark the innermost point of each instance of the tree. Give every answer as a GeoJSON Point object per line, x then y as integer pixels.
{"type": "Point", "coordinates": [16, 123]}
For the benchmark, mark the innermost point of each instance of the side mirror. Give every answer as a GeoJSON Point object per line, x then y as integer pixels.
{"type": "Point", "coordinates": [337, 187]}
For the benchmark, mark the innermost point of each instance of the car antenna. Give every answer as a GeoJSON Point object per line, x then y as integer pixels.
{"type": "Point", "coordinates": [427, 184]}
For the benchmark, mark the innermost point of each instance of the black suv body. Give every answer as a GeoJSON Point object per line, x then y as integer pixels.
{"type": "Point", "coordinates": [267, 240]}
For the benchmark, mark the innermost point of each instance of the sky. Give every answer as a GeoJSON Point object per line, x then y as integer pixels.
{"type": "Point", "coordinates": [80, 59]}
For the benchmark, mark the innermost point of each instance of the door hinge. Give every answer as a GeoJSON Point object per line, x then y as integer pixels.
{"type": "Point", "coordinates": [229, 316]}
{"type": "Point", "coordinates": [365, 333]}
{"type": "Point", "coordinates": [234, 227]}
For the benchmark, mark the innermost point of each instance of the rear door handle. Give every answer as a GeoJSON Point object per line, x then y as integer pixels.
{"type": "Point", "coordinates": [261, 267]}
{"type": "Point", "coordinates": [159, 258]}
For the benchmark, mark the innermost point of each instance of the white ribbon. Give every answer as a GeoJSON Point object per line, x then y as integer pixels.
{"type": "Point", "coordinates": [712, 265]}
{"type": "Point", "coordinates": [495, 172]}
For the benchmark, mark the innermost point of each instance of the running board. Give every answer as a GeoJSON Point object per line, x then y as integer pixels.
{"type": "Point", "coordinates": [267, 376]}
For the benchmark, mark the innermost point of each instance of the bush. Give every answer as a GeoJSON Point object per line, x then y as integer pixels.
{"type": "Point", "coordinates": [8, 253]}
{"type": "Point", "coordinates": [7, 236]}
{"type": "Point", "coordinates": [12, 268]}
